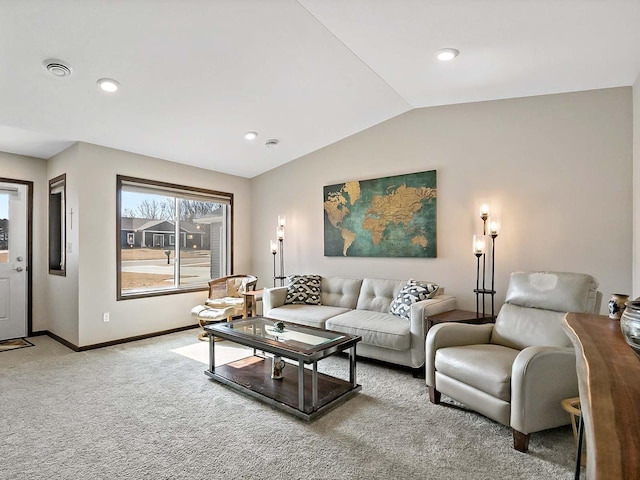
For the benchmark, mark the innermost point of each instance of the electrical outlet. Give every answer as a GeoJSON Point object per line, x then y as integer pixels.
{"type": "Point", "coordinates": [105, 317]}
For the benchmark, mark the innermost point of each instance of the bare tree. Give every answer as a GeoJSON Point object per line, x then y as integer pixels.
{"type": "Point", "coordinates": [189, 209]}
{"type": "Point", "coordinates": [149, 209]}
{"type": "Point", "coordinates": [128, 213]}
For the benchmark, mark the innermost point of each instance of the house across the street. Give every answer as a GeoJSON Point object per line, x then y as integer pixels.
{"type": "Point", "coordinates": [145, 233]}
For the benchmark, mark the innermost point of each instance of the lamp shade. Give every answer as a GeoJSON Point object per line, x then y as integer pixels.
{"type": "Point", "coordinates": [494, 227]}
{"type": "Point", "coordinates": [479, 244]}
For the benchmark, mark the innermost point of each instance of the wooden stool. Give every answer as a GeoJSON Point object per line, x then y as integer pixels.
{"type": "Point", "coordinates": [572, 406]}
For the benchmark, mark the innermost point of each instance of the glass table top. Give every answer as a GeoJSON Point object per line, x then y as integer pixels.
{"type": "Point", "coordinates": [296, 337]}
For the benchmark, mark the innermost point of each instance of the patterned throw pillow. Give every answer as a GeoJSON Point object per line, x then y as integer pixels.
{"type": "Point", "coordinates": [303, 289]}
{"type": "Point", "coordinates": [414, 291]}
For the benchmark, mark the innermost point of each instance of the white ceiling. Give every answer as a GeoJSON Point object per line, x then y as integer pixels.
{"type": "Point", "coordinates": [196, 74]}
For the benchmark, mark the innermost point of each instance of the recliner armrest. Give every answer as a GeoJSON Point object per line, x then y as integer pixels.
{"type": "Point", "coordinates": [451, 335]}
{"type": "Point", "coordinates": [541, 378]}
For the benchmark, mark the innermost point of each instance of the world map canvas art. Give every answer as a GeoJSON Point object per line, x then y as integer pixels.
{"type": "Point", "coordinates": [384, 217]}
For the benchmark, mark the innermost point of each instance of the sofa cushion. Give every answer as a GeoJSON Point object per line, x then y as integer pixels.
{"type": "Point", "coordinates": [304, 289]}
{"type": "Point", "coordinates": [340, 291]}
{"type": "Point", "coordinates": [311, 315]}
{"type": "Point", "coordinates": [414, 291]}
{"type": "Point", "coordinates": [377, 294]}
{"type": "Point", "coordinates": [485, 367]}
{"type": "Point", "coordinates": [375, 328]}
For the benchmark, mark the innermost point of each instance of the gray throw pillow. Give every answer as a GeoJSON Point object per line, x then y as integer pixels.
{"type": "Point", "coordinates": [414, 291]}
{"type": "Point", "coordinates": [303, 289]}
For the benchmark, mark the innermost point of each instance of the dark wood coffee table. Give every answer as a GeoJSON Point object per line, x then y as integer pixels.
{"type": "Point", "coordinates": [303, 392]}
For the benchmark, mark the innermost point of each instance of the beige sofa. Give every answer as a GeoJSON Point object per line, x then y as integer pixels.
{"type": "Point", "coordinates": [361, 307]}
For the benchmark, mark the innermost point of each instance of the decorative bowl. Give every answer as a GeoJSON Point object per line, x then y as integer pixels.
{"type": "Point", "coordinates": [630, 324]}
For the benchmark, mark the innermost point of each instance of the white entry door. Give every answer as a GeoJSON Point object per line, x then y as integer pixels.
{"type": "Point", "coordinates": [13, 260]}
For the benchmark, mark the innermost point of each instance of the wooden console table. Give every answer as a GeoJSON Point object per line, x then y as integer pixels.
{"type": "Point", "coordinates": [609, 384]}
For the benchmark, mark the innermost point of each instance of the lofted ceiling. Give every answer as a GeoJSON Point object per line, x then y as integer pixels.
{"type": "Point", "coordinates": [195, 75]}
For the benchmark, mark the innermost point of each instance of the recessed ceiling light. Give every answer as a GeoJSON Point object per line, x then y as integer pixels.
{"type": "Point", "coordinates": [446, 54]}
{"type": "Point", "coordinates": [108, 85]}
{"type": "Point", "coordinates": [271, 143]}
{"type": "Point", "coordinates": [57, 67]}
{"type": "Point", "coordinates": [251, 135]}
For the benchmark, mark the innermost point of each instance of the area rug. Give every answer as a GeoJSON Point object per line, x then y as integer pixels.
{"type": "Point", "coordinates": [7, 345]}
{"type": "Point", "coordinates": [225, 352]}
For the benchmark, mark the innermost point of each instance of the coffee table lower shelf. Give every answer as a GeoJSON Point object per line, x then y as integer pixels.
{"type": "Point", "coordinates": [252, 376]}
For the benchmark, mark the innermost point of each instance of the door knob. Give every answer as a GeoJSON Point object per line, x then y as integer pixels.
{"type": "Point", "coordinates": [18, 269]}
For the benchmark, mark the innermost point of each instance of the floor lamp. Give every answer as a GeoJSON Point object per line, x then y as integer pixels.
{"type": "Point", "coordinates": [279, 249]}
{"type": "Point", "coordinates": [479, 250]}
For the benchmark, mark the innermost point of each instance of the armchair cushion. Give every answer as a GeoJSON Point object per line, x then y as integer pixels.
{"type": "Point", "coordinates": [520, 327]}
{"type": "Point", "coordinates": [224, 302]}
{"type": "Point", "coordinates": [485, 367]}
{"type": "Point", "coordinates": [304, 289]}
{"type": "Point", "coordinates": [558, 291]}
{"type": "Point", "coordinates": [450, 335]}
{"type": "Point", "coordinates": [236, 286]}
{"type": "Point", "coordinates": [414, 291]}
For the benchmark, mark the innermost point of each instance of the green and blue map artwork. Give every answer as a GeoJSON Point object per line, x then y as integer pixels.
{"type": "Point", "coordinates": [385, 217]}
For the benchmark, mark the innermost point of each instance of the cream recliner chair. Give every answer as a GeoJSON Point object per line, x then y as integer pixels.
{"type": "Point", "coordinates": [518, 370]}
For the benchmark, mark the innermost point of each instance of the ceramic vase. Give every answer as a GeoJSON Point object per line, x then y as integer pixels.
{"type": "Point", "coordinates": [630, 325]}
{"type": "Point", "coordinates": [277, 367]}
{"type": "Point", "coordinates": [617, 305]}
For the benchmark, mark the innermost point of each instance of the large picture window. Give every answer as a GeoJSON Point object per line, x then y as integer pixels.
{"type": "Point", "coordinates": [170, 238]}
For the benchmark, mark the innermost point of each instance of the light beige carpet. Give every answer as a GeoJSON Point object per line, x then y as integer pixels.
{"type": "Point", "coordinates": [142, 411]}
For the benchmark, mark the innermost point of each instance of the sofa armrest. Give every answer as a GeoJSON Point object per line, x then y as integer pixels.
{"type": "Point", "coordinates": [272, 298]}
{"type": "Point", "coordinates": [540, 379]}
{"type": "Point", "coordinates": [432, 306]}
{"type": "Point", "coordinates": [419, 311]}
{"type": "Point", "coordinates": [451, 335]}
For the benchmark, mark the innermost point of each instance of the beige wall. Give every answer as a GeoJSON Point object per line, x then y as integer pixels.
{"type": "Point", "coordinates": [18, 167]}
{"type": "Point", "coordinates": [636, 192]}
{"type": "Point", "coordinates": [557, 167]}
{"type": "Point", "coordinates": [63, 292]}
{"type": "Point", "coordinates": [90, 286]}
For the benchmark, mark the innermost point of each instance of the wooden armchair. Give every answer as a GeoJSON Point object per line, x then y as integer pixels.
{"type": "Point", "coordinates": [225, 301]}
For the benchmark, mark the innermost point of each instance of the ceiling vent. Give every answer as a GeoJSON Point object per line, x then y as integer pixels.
{"type": "Point", "coordinates": [57, 67]}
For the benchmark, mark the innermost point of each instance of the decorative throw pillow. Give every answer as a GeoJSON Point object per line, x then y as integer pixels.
{"type": "Point", "coordinates": [414, 291]}
{"type": "Point", "coordinates": [303, 289]}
